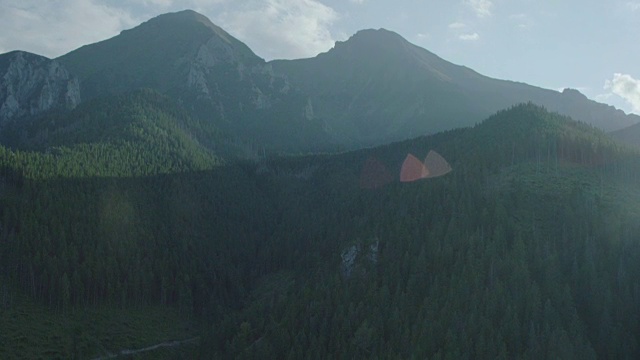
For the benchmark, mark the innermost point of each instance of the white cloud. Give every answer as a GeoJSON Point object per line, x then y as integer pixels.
{"type": "Point", "coordinates": [273, 28]}
{"type": "Point", "coordinates": [422, 37]}
{"type": "Point", "coordinates": [633, 5]}
{"type": "Point", "coordinates": [469, 37]}
{"type": "Point", "coordinates": [521, 20]}
{"type": "Point", "coordinates": [174, 5]}
{"type": "Point", "coordinates": [51, 29]}
{"type": "Point", "coordinates": [482, 8]}
{"type": "Point", "coordinates": [627, 88]}
{"type": "Point", "coordinates": [283, 28]}
{"type": "Point", "coordinates": [158, 3]}
{"type": "Point", "coordinates": [457, 25]}
{"type": "Point", "coordinates": [603, 98]}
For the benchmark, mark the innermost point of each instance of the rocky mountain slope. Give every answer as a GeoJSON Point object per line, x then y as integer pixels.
{"type": "Point", "coordinates": [372, 89]}
{"type": "Point", "coordinates": [377, 86]}
{"type": "Point", "coordinates": [32, 84]}
{"type": "Point", "coordinates": [210, 73]}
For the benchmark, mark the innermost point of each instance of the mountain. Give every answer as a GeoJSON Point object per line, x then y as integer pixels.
{"type": "Point", "coordinates": [170, 52]}
{"type": "Point", "coordinates": [210, 73]}
{"type": "Point", "coordinates": [31, 84]}
{"type": "Point", "coordinates": [373, 88]}
{"type": "Point", "coordinates": [376, 87]}
{"type": "Point", "coordinates": [576, 105]}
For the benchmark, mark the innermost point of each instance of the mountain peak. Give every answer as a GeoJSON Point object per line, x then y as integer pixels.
{"type": "Point", "coordinates": [186, 18]}
{"type": "Point", "coordinates": [573, 93]}
{"type": "Point", "coordinates": [380, 33]}
{"type": "Point", "coordinates": [14, 56]}
{"type": "Point", "coordinates": [163, 53]}
{"type": "Point", "coordinates": [374, 39]}
{"type": "Point", "coordinates": [25, 54]}
{"type": "Point", "coordinates": [385, 46]}
{"type": "Point", "coordinates": [186, 14]}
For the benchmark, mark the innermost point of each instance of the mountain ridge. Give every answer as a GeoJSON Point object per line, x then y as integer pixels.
{"type": "Point", "coordinates": [422, 78]}
{"type": "Point", "coordinates": [629, 135]}
{"type": "Point", "coordinates": [374, 88]}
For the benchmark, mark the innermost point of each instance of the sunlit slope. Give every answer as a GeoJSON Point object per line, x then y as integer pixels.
{"type": "Point", "coordinates": [139, 133]}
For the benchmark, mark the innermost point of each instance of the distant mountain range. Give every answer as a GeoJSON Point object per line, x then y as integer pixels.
{"type": "Point", "coordinates": [377, 86]}
{"type": "Point", "coordinates": [372, 89]}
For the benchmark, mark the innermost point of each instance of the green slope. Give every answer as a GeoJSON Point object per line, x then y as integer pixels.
{"type": "Point", "coordinates": [138, 133]}
{"type": "Point", "coordinates": [34, 331]}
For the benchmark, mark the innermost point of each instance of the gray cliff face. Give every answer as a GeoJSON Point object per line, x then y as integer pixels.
{"type": "Point", "coordinates": [31, 84]}
{"type": "Point", "coordinates": [216, 64]}
{"type": "Point", "coordinates": [214, 52]}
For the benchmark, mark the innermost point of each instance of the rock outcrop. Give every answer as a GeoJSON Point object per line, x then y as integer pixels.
{"type": "Point", "coordinates": [31, 84]}
{"type": "Point", "coordinates": [358, 258]}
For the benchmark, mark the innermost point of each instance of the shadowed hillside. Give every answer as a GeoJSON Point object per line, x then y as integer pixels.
{"type": "Point", "coordinates": [526, 248]}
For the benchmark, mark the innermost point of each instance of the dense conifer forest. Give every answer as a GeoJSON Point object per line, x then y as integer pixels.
{"type": "Point", "coordinates": [529, 248]}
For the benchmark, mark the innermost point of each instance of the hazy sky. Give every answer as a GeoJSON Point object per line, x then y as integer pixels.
{"type": "Point", "coordinates": [589, 45]}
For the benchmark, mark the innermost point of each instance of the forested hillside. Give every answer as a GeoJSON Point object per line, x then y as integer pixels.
{"type": "Point", "coordinates": [528, 248]}
{"type": "Point", "coordinates": [139, 133]}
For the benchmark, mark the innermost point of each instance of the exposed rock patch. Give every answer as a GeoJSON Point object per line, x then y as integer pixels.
{"type": "Point", "coordinates": [31, 84]}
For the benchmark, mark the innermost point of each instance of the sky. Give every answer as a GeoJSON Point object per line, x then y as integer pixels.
{"type": "Point", "coordinates": [587, 45]}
